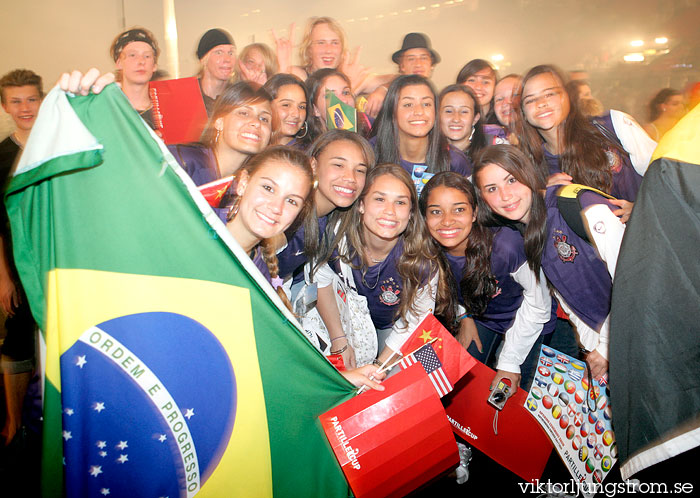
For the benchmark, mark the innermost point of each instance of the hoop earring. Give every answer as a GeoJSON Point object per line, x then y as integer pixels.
{"type": "Point", "coordinates": [216, 138]}
{"type": "Point", "coordinates": [305, 126]}
{"type": "Point", "coordinates": [233, 210]}
{"type": "Point", "coordinates": [472, 134]}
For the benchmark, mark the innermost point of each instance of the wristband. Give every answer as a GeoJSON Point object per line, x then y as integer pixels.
{"type": "Point", "coordinates": [462, 317]}
{"type": "Point", "coordinates": [341, 350]}
{"type": "Point", "coordinates": [339, 337]}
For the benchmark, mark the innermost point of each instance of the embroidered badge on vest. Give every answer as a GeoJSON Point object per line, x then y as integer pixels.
{"type": "Point", "coordinates": [390, 293]}
{"type": "Point", "coordinates": [614, 161]}
{"type": "Point", "coordinates": [567, 252]}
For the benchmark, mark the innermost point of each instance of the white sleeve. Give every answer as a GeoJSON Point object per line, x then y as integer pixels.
{"type": "Point", "coordinates": [535, 310]}
{"type": "Point", "coordinates": [634, 139]}
{"type": "Point", "coordinates": [323, 276]}
{"type": "Point", "coordinates": [588, 338]}
{"type": "Point", "coordinates": [424, 304]}
{"type": "Point", "coordinates": [606, 230]}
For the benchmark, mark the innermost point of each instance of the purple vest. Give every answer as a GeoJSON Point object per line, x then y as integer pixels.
{"type": "Point", "coordinates": [573, 266]}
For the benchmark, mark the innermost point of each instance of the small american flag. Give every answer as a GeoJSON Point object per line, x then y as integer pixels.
{"type": "Point", "coordinates": [427, 357]}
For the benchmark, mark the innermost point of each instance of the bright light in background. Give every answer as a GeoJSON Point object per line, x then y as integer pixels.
{"type": "Point", "coordinates": [171, 52]}
{"type": "Point", "coordinates": [497, 57]}
{"type": "Point", "coordinates": [635, 57]}
{"type": "Point", "coordinates": [637, 43]}
{"type": "Point", "coordinates": [661, 40]}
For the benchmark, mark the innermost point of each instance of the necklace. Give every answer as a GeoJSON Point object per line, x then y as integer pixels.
{"type": "Point", "coordinates": [379, 273]}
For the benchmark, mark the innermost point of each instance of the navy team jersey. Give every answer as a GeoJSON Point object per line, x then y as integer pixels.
{"type": "Point", "coordinates": [507, 256]}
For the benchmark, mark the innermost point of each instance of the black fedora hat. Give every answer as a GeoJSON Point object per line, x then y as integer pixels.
{"type": "Point", "coordinates": [416, 40]}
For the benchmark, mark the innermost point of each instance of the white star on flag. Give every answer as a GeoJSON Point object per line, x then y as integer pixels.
{"type": "Point", "coordinates": [67, 435]}
{"type": "Point", "coordinates": [68, 411]}
{"type": "Point", "coordinates": [99, 406]}
{"type": "Point", "coordinates": [162, 438]}
{"type": "Point", "coordinates": [123, 458]}
{"type": "Point", "coordinates": [104, 491]}
{"type": "Point", "coordinates": [95, 470]}
{"type": "Point", "coordinates": [189, 413]}
{"type": "Point", "coordinates": [101, 444]}
{"type": "Point", "coordinates": [102, 454]}
{"type": "Point", "coordinates": [122, 445]}
{"type": "Point", "coordinates": [81, 361]}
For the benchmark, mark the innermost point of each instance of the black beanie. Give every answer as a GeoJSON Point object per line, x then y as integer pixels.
{"type": "Point", "coordinates": [211, 39]}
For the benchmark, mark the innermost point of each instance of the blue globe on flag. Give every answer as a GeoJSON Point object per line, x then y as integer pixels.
{"type": "Point", "coordinates": [139, 389]}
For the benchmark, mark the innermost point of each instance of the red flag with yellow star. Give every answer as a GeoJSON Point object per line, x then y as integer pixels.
{"type": "Point", "coordinates": [454, 358]}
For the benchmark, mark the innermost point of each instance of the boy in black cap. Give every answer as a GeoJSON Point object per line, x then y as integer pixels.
{"type": "Point", "coordinates": [416, 55]}
{"type": "Point", "coordinates": [217, 56]}
{"type": "Point", "coordinates": [135, 53]}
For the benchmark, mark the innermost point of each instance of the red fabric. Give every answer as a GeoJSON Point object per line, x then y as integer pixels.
{"type": "Point", "coordinates": [400, 437]}
{"type": "Point", "coordinates": [521, 445]}
{"type": "Point", "coordinates": [456, 362]}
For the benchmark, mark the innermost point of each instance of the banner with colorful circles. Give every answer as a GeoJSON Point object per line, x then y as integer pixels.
{"type": "Point", "coordinates": [575, 415]}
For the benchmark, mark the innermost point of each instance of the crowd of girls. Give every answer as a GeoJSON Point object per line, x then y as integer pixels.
{"type": "Point", "coordinates": [445, 203]}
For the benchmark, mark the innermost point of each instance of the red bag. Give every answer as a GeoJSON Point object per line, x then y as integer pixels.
{"type": "Point", "coordinates": [521, 445]}
{"type": "Point", "coordinates": [390, 442]}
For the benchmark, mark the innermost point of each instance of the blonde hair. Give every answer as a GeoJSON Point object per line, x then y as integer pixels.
{"type": "Point", "coordinates": [305, 47]}
{"type": "Point", "coordinates": [268, 56]}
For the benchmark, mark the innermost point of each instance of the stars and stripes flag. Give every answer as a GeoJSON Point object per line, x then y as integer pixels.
{"type": "Point", "coordinates": [445, 357]}
{"type": "Point", "coordinates": [431, 363]}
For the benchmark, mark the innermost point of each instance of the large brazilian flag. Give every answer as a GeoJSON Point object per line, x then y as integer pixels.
{"type": "Point", "coordinates": [172, 368]}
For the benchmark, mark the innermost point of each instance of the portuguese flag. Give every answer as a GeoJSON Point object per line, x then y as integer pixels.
{"type": "Point", "coordinates": [172, 368]}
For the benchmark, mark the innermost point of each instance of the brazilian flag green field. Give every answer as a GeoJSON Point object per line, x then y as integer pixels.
{"type": "Point", "coordinates": [172, 367]}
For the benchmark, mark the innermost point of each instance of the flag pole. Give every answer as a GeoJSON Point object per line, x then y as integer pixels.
{"type": "Point", "coordinates": [384, 368]}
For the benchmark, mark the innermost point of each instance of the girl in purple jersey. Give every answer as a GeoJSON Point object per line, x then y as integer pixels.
{"type": "Point", "coordinates": [341, 160]}
{"type": "Point", "coordinates": [509, 303]}
{"type": "Point", "coordinates": [408, 132]}
{"type": "Point", "coordinates": [272, 189]}
{"type": "Point", "coordinates": [239, 127]}
{"type": "Point", "coordinates": [580, 271]}
{"type": "Point", "coordinates": [393, 261]}
{"type": "Point", "coordinates": [568, 147]}
{"type": "Point", "coordinates": [460, 120]}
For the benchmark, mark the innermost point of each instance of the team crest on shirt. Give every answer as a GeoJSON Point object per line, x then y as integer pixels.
{"type": "Point", "coordinates": [498, 291]}
{"type": "Point", "coordinates": [614, 161]}
{"type": "Point", "coordinates": [567, 252]}
{"type": "Point", "coordinates": [390, 292]}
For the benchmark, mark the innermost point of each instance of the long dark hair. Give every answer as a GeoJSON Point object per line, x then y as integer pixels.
{"type": "Point", "coordinates": [318, 248]}
{"type": "Point", "coordinates": [420, 257]}
{"type": "Point", "coordinates": [272, 87]}
{"type": "Point", "coordinates": [471, 68]}
{"type": "Point", "coordinates": [517, 164]}
{"type": "Point", "coordinates": [477, 284]}
{"type": "Point", "coordinates": [387, 132]}
{"type": "Point", "coordinates": [582, 148]}
{"type": "Point", "coordinates": [478, 140]}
